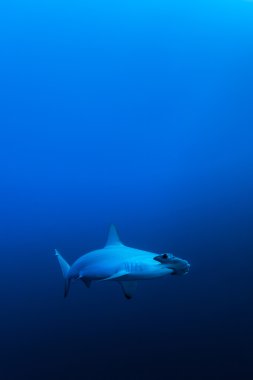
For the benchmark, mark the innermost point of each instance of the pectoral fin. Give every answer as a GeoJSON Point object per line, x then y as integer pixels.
{"type": "Point", "coordinates": [116, 275]}
{"type": "Point", "coordinates": [128, 288]}
{"type": "Point", "coordinates": [86, 282]}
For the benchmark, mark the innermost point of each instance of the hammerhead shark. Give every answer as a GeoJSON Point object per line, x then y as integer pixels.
{"type": "Point", "coordinates": [117, 262]}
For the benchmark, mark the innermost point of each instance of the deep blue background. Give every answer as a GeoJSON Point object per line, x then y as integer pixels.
{"type": "Point", "coordinates": [138, 113]}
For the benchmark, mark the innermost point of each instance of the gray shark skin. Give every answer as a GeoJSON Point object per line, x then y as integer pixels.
{"type": "Point", "coordinates": [117, 262]}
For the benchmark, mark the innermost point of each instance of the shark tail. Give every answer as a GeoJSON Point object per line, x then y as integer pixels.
{"type": "Point", "coordinates": [65, 271]}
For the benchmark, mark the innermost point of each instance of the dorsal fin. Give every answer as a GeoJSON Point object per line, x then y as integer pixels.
{"type": "Point", "coordinates": [113, 238]}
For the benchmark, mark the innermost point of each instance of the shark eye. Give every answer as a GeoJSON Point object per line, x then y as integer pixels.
{"type": "Point", "coordinates": [164, 256]}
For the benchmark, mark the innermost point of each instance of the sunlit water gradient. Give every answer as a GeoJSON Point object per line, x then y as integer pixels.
{"type": "Point", "coordinates": [137, 113]}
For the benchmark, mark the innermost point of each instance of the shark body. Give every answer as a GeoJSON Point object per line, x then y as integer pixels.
{"type": "Point", "coordinates": [117, 262]}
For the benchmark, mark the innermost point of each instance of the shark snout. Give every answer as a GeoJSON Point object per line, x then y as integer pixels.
{"type": "Point", "coordinates": [183, 268]}
{"type": "Point", "coordinates": [187, 267]}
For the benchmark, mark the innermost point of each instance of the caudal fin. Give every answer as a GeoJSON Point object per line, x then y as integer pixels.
{"type": "Point", "coordinates": [65, 271]}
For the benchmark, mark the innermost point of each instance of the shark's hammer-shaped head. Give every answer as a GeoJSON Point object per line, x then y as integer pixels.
{"type": "Point", "coordinates": [179, 266]}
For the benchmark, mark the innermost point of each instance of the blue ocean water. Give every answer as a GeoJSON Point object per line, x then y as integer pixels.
{"type": "Point", "coordinates": [137, 113]}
